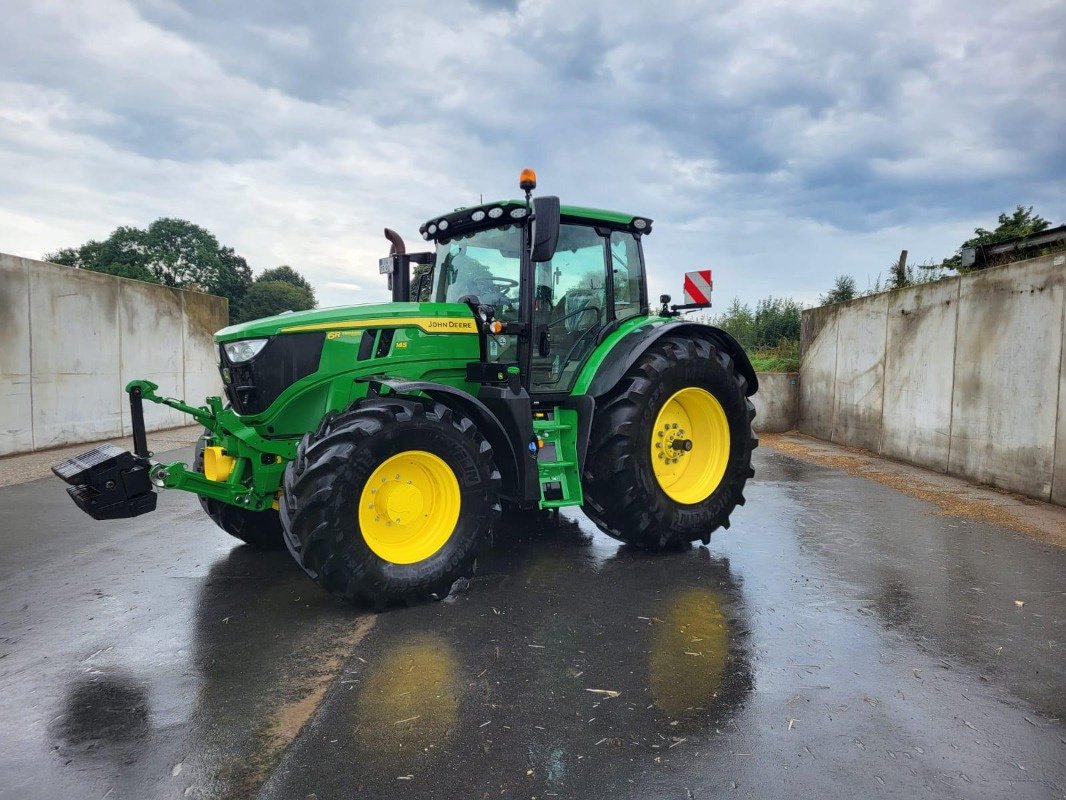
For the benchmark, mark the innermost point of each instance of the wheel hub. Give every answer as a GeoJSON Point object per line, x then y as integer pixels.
{"type": "Point", "coordinates": [690, 445]}
{"type": "Point", "coordinates": [409, 507]}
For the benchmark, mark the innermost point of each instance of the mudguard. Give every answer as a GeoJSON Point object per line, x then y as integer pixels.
{"type": "Point", "coordinates": [512, 470]}
{"type": "Point", "coordinates": [630, 348]}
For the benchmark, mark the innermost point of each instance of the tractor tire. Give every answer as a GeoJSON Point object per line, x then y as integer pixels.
{"type": "Point", "coordinates": [390, 501]}
{"type": "Point", "coordinates": [260, 529]}
{"type": "Point", "coordinates": [670, 449]}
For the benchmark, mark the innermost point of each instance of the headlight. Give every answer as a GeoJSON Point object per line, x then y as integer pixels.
{"type": "Point", "coordinates": [245, 350]}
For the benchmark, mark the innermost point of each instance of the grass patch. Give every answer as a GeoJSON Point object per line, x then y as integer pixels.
{"type": "Point", "coordinates": [782, 357]}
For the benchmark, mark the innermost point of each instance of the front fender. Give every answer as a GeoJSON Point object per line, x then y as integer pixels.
{"type": "Point", "coordinates": [631, 347]}
{"type": "Point", "coordinates": [514, 470]}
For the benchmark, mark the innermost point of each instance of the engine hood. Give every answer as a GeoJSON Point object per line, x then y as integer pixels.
{"type": "Point", "coordinates": [430, 316]}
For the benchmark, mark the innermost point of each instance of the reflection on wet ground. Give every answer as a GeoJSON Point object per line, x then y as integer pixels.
{"type": "Point", "coordinates": [839, 640]}
{"type": "Point", "coordinates": [559, 668]}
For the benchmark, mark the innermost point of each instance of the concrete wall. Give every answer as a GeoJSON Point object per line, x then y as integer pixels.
{"type": "Point", "coordinates": [777, 402]}
{"type": "Point", "coordinates": [963, 376]}
{"type": "Point", "coordinates": [70, 339]}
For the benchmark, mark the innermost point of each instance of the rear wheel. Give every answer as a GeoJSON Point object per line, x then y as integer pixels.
{"type": "Point", "coordinates": [260, 529]}
{"type": "Point", "coordinates": [391, 500]}
{"type": "Point", "coordinates": [671, 447]}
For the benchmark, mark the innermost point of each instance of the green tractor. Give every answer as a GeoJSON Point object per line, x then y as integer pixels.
{"type": "Point", "coordinates": [378, 442]}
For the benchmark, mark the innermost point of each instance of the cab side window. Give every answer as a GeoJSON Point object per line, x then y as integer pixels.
{"type": "Point", "coordinates": [628, 274]}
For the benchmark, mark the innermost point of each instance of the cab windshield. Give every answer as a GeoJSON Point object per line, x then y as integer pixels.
{"type": "Point", "coordinates": [485, 265]}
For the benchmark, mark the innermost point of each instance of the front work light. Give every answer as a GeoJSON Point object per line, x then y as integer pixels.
{"type": "Point", "coordinates": [244, 350]}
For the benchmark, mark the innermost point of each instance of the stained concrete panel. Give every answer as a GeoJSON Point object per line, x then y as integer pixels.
{"type": "Point", "coordinates": [919, 370]}
{"type": "Point", "coordinates": [74, 340]}
{"type": "Point", "coordinates": [16, 415]}
{"type": "Point", "coordinates": [818, 368]}
{"type": "Point", "coordinates": [859, 382]}
{"type": "Point", "coordinates": [776, 402]}
{"type": "Point", "coordinates": [1007, 376]}
{"type": "Point", "coordinates": [204, 314]}
{"type": "Point", "coordinates": [1058, 481]}
{"type": "Point", "coordinates": [152, 347]}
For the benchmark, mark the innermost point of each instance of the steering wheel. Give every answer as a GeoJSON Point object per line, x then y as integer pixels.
{"type": "Point", "coordinates": [503, 283]}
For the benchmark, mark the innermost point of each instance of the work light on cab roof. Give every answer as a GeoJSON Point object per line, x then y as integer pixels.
{"type": "Point", "coordinates": [520, 362]}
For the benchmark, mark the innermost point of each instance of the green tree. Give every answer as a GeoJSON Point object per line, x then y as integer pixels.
{"type": "Point", "coordinates": [1022, 223]}
{"type": "Point", "coordinates": [770, 333]}
{"type": "Point", "coordinates": [842, 291]}
{"type": "Point", "coordinates": [737, 321]}
{"type": "Point", "coordinates": [775, 319]}
{"type": "Point", "coordinates": [170, 251]}
{"type": "Point", "coordinates": [267, 298]}
{"type": "Point", "coordinates": [287, 274]}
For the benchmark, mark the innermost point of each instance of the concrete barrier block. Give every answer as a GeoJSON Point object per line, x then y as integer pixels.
{"type": "Point", "coordinates": [777, 401]}
{"type": "Point", "coordinates": [1058, 478]}
{"type": "Point", "coordinates": [16, 408]}
{"type": "Point", "coordinates": [818, 368]}
{"type": "Point", "coordinates": [919, 370]}
{"type": "Point", "coordinates": [859, 385]}
{"type": "Point", "coordinates": [75, 341]}
{"type": "Point", "coordinates": [151, 335]}
{"type": "Point", "coordinates": [1007, 376]}
{"type": "Point", "coordinates": [204, 315]}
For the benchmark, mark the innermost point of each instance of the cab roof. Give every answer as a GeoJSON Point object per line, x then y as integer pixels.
{"type": "Point", "coordinates": [487, 215]}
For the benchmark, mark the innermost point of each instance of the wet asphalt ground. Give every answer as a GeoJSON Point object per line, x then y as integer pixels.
{"type": "Point", "coordinates": [840, 640]}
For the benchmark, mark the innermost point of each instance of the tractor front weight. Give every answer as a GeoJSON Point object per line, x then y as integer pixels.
{"type": "Point", "coordinates": [250, 466]}
{"type": "Point", "coordinates": [110, 483]}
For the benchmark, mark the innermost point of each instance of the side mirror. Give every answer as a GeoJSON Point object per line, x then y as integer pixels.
{"type": "Point", "coordinates": [545, 234]}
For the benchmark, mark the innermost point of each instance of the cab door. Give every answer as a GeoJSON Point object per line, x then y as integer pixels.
{"type": "Point", "coordinates": [570, 308]}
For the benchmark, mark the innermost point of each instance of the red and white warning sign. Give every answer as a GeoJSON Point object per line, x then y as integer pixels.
{"type": "Point", "coordinates": [698, 287]}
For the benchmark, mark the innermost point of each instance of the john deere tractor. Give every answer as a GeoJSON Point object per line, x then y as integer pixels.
{"type": "Point", "coordinates": [378, 442]}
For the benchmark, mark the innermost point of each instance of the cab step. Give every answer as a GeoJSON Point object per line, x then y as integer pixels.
{"type": "Point", "coordinates": [557, 458]}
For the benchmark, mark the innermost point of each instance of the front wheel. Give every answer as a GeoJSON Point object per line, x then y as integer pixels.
{"type": "Point", "coordinates": [671, 447]}
{"type": "Point", "coordinates": [260, 529]}
{"type": "Point", "coordinates": [390, 501]}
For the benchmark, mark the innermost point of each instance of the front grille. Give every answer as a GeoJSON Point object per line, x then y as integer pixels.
{"type": "Point", "coordinates": [253, 385]}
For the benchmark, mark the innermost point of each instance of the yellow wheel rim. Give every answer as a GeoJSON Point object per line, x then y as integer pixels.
{"type": "Point", "coordinates": [409, 507]}
{"type": "Point", "coordinates": [690, 445]}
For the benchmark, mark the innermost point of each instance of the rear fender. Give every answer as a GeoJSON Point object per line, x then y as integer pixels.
{"type": "Point", "coordinates": [633, 345]}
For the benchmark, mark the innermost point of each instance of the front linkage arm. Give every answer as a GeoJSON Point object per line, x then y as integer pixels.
{"type": "Point", "coordinates": [258, 466]}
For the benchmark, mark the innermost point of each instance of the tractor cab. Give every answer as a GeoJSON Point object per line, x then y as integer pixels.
{"type": "Point", "coordinates": [548, 282]}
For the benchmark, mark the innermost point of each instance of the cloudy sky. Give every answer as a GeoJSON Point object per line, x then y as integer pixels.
{"type": "Point", "coordinates": [780, 143]}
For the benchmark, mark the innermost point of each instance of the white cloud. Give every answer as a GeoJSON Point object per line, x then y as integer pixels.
{"type": "Point", "coordinates": [779, 143]}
